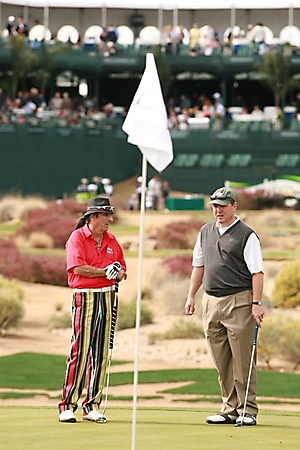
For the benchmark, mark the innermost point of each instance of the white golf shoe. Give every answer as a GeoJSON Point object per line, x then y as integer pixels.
{"type": "Point", "coordinates": [220, 419]}
{"type": "Point", "coordinates": [67, 416]}
{"type": "Point", "coordinates": [95, 416]}
{"type": "Point", "coordinates": [248, 419]}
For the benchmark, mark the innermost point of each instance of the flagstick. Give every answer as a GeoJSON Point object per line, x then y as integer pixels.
{"type": "Point", "coordinates": [138, 301]}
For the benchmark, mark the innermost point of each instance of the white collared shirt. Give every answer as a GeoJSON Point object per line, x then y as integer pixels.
{"type": "Point", "coordinates": [252, 251]}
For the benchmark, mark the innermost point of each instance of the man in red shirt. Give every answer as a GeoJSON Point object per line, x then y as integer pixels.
{"type": "Point", "coordinates": [95, 260]}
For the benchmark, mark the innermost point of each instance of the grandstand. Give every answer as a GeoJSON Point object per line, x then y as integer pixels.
{"type": "Point", "coordinates": [51, 155]}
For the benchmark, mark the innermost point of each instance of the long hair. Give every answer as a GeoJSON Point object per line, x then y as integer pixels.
{"type": "Point", "coordinates": [81, 222]}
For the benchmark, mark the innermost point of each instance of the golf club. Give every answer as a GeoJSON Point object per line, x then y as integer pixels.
{"type": "Point", "coordinates": [249, 376]}
{"type": "Point", "coordinates": [111, 346]}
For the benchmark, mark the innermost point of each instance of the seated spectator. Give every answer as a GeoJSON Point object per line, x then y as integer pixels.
{"type": "Point", "coordinates": [183, 119]}
{"type": "Point", "coordinates": [34, 96]}
{"type": "Point", "coordinates": [249, 33]}
{"type": "Point", "coordinates": [207, 109]}
{"type": "Point", "coordinates": [29, 108]}
{"type": "Point", "coordinates": [55, 103]}
{"type": "Point", "coordinates": [108, 110]}
{"type": "Point", "coordinates": [258, 33]}
{"type": "Point", "coordinates": [172, 120]}
{"type": "Point", "coordinates": [111, 34]}
{"type": "Point", "coordinates": [67, 103]}
{"type": "Point", "coordinates": [257, 111]}
{"type": "Point", "coordinates": [195, 34]}
{"type": "Point", "coordinates": [75, 118]}
{"type": "Point", "coordinates": [244, 110]}
{"type": "Point", "coordinates": [185, 102]}
{"type": "Point", "coordinates": [176, 36]}
{"type": "Point", "coordinates": [20, 119]}
{"type": "Point", "coordinates": [11, 26]}
{"type": "Point", "coordinates": [22, 27]}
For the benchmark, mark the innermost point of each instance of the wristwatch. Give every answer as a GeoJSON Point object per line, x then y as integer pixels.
{"type": "Point", "coordinates": [257, 303]}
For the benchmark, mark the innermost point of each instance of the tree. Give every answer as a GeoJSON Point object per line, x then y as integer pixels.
{"type": "Point", "coordinates": [23, 61]}
{"type": "Point", "coordinates": [275, 71]}
{"type": "Point", "coordinates": [49, 55]}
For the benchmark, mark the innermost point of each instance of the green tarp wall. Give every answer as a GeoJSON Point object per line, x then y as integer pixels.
{"type": "Point", "coordinates": [51, 160]}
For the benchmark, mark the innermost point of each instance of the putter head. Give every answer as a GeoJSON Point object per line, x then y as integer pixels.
{"type": "Point", "coordinates": [102, 419]}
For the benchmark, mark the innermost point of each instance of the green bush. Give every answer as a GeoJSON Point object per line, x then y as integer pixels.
{"type": "Point", "coordinates": [286, 291]}
{"type": "Point", "coordinates": [279, 337]}
{"type": "Point", "coordinates": [289, 342]}
{"type": "Point", "coordinates": [127, 315]}
{"type": "Point", "coordinates": [11, 307]}
{"type": "Point", "coordinates": [268, 339]}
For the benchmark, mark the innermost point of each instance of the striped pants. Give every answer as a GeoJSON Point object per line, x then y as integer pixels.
{"type": "Point", "coordinates": [89, 353]}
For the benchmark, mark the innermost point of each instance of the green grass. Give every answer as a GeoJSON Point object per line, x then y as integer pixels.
{"type": "Point", "coordinates": [275, 255]}
{"type": "Point", "coordinates": [45, 372]}
{"type": "Point", "coordinates": [29, 428]}
{"type": "Point", "coordinates": [280, 255]}
{"type": "Point", "coordinates": [7, 229]}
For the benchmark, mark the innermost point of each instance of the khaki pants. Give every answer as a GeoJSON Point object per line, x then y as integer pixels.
{"type": "Point", "coordinates": [229, 329]}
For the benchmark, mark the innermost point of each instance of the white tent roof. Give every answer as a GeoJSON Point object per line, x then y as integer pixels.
{"type": "Point", "coordinates": [160, 4]}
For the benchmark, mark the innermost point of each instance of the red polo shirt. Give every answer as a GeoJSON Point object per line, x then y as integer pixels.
{"type": "Point", "coordinates": [82, 250]}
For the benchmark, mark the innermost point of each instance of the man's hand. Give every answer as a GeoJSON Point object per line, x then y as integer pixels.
{"type": "Point", "coordinates": [258, 314]}
{"type": "Point", "coordinates": [112, 270]}
{"type": "Point", "coordinates": [190, 306]}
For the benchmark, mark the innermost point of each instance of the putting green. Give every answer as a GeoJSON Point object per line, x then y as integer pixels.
{"type": "Point", "coordinates": [172, 429]}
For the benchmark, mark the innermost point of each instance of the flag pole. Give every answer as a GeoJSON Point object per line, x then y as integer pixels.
{"type": "Point", "coordinates": [138, 302]}
{"type": "Point", "coordinates": [147, 128]}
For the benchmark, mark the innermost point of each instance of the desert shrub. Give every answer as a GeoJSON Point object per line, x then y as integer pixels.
{"type": "Point", "coordinates": [60, 321]}
{"type": "Point", "coordinates": [127, 315]}
{"type": "Point", "coordinates": [17, 207]}
{"type": "Point", "coordinates": [258, 200]}
{"type": "Point", "coordinates": [183, 329]}
{"type": "Point", "coordinates": [279, 336]}
{"type": "Point", "coordinates": [59, 227]}
{"type": "Point", "coordinates": [58, 220]}
{"type": "Point", "coordinates": [180, 265]}
{"type": "Point", "coordinates": [177, 235]}
{"type": "Point", "coordinates": [11, 307]}
{"type": "Point", "coordinates": [268, 339]}
{"type": "Point", "coordinates": [39, 239]}
{"type": "Point", "coordinates": [286, 291]}
{"type": "Point", "coordinates": [49, 270]}
{"type": "Point", "coordinates": [171, 291]}
{"type": "Point", "coordinates": [289, 341]}
{"type": "Point", "coordinates": [32, 268]}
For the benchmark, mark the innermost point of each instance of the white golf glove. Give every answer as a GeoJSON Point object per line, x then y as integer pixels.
{"type": "Point", "coordinates": [112, 270]}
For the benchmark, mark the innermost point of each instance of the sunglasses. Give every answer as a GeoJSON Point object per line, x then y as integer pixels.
{"type": "Point", "coordinates": [107, 209]}
{"type": "Point", "coordinates": [221, 197]}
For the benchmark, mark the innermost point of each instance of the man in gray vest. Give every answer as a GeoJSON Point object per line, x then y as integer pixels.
{"type": "Point", "coordinates": [227, 260]}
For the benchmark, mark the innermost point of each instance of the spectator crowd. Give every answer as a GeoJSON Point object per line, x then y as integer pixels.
{"type": "Point", "coordinates": [156, 194]}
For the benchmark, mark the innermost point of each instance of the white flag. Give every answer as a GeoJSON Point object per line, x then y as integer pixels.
{"type": "Point", "coordinates": [146, 120]}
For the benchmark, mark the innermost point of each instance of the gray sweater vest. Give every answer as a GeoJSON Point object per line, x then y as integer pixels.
{"type": "Point", "coordinates": [225, 270]}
